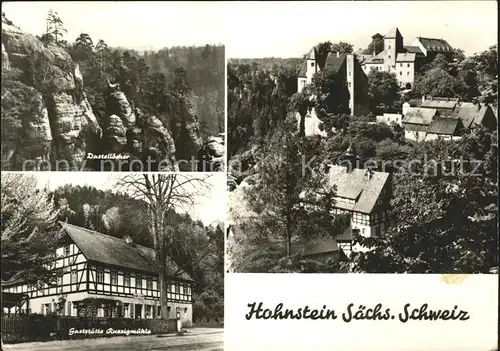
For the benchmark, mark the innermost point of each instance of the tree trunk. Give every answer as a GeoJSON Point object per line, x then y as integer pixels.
{"type": "Point", "coordinates": [288, 235]}
{"type": "Point", "coordinates": [163, 292]}
{"type": "Point", "coordinates": [302, 125]}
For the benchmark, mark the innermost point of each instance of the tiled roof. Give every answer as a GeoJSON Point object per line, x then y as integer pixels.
{"type": "Point", "coordinates": [413, 49]}
{"type": "Point", "coordinates": [417, 115]}
{"type": "Point", "coordinates": [406, 57]}
{"type": "Point", "coordinates": [440, 103]}
{"type": "Point", "coordinates": [373, 61]}
{"type": "Point", "coordinates": [416, 127]}
{"type": "Point", "coordinates": [470, 113]}
{"type": "Point", "coordinates": [393, 33]}
{"type": "Point", "coordinates": [358, 186]}
{"type": "Point", "coordinates": [435, 45]}
{"type": "Point", "coordinates": [333, 63]}
{"type": "Point", "coordinates": [442, 125]}
{"type": "Point", "coordinates": [303, 70]}
{"type": "Point", "coordinates": [114, 251]}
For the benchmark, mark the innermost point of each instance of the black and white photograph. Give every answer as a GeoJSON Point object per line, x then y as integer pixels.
{"type": "Point", "coordinates": [112, 261]}
{"type": "Point", "coordinates": [111, 86]}
{"type": "Point", "coordinates": [364, 146]}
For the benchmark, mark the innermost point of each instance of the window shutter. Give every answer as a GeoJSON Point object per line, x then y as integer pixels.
{"type": "Point", "coordinates": [69, 308]}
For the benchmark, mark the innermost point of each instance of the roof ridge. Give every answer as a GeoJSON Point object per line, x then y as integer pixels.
{"type": "Point", "coordinates": [99, 233]}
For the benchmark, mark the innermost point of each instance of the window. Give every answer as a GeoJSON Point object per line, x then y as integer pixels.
{"type": "Point", "coordinates": [126, 280]}
{"type": "Point", "coordinates": [408, 65]}
{"type": "Point", "coordinates": [67, 250]}
{"type": "Point", "coordinates": [349, 73]}
{"type": "Point", "coordinates": [312, 64]}
{"type": "Point", "coordinates": [389, 49]}
{"type": "Point", "coordinates": [389, 56]}
{"type": "Point", "coordinates": [177, 289]}
{"type": "Point", "coordinates": [349, 84]}
{"type": "Point", "coordinates": [73, 277]}
{"type": "Point", "coordinates": [59, 284]}
{"type": "Point", "coordinates": [100, 276]}
{"type": "Point", "coordinates": [138, 281]}
{"type": "Point", "coordinates": [407, 73]}
{"type": "Point", "coordinates": [400, 73]}
{"type": "Point", "coordinates": [400, 65]}
{"type": "Point", "coordinates": [149, 284]}
{"type": "Point", "coordinates": [114, 278]}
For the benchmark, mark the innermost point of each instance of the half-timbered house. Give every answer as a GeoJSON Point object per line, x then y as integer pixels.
{"type": "Point", "coordinates": [105, 276]}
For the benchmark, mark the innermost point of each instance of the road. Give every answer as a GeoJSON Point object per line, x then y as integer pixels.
{"type": "Point", "coordinates": [202, 339]}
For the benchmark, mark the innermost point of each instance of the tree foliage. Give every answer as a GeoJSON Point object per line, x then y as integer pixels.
{"type": "Point", "coordinates": [28, 230]}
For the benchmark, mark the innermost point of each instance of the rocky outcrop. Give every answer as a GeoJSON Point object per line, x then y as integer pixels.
{"type": "Point", "coordinates": [143, 138]}
{"type": "Point", "coordinates": [46, 116]}
{"type": "Point", "coordinates": [61, 120]}
{"type": "Point", "coordinates": [212, 154]}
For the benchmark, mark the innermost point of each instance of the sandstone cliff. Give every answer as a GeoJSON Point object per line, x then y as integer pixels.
{"type": "Point", "coordinates": [45, 114]}
{"type": "Point", "coordinates": [48, 122]}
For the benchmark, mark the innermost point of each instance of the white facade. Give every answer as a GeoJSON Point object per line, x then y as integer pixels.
{"type": "Point", "coordinates": [137, 291]}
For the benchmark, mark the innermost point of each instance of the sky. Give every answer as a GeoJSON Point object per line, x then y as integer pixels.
{"type": "Point", "coordinates": [208, 208]}
{"type": "Point", "coordinates": [264, 29]}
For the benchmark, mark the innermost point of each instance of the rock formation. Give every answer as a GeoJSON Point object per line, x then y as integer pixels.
{"type": "Point", "coordinates": [144, 139]}
{"type": "Point", "coordinates": [211, 155]}
{"type": "Point", "coordinates": [48, 122]}
{"type": "Point", "coordinates": [54, 117]}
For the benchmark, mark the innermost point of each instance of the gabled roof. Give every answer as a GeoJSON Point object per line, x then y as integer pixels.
{"type": "Point", "coordinates": [311, 55]}
{"type": "Point", "coordinates": [114, 251]}
{"type": "Point", "coordinates": [435, 45]}
{"type": "Point", "coordinates": [440, 125]}
{"type": "Point", "coordinates": [333, 63]}
{"type": "Point", "coordinates": [393, 33]}
{"type": "Point", "coordinates": [359, 186]}
{"type": "Point", "coordinates": [406, 57]}
{"type": "Point", "coordinates": [470, 113]}
{"type": "Point", "coordinates": [303, 70]}
{"type": "Point", "coordinates": [444, 103]}
{"type": "Point", "coordinates": [413, 49]}
{"type": "Point", "coordinates": [417, 115]}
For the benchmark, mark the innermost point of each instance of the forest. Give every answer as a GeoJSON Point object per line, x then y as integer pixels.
{"type": "Point", "coordinates": [197, 249]}
{"type": "Point", "coordinates": [444, 223]}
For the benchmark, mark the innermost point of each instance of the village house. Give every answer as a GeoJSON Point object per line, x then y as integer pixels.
{"type": "Point", "coordinates": [416, 122]}
{"type": "Point", "coordinates": [348, 74]}
{"type": "Point", "coordinates": [105, 276]}
{"type": "Point", "coordinates": [363, 194]}
{"type": "Point", "coordinates": [404, 61]}
{"type": "Point", "coordinates": [445, 118]}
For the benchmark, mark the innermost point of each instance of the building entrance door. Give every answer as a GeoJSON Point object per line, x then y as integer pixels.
{"type": "Point", "coordinates": [138, 311]}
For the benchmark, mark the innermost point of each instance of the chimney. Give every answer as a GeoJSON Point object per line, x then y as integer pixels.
{"type": "Point", "coordinates": [128, 240]}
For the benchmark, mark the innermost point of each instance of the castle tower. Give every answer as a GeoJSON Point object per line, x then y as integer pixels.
{"type": "Point", "coordinates": [393, 44]}
{"type": "Point", "coordinates": [312, 65]}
